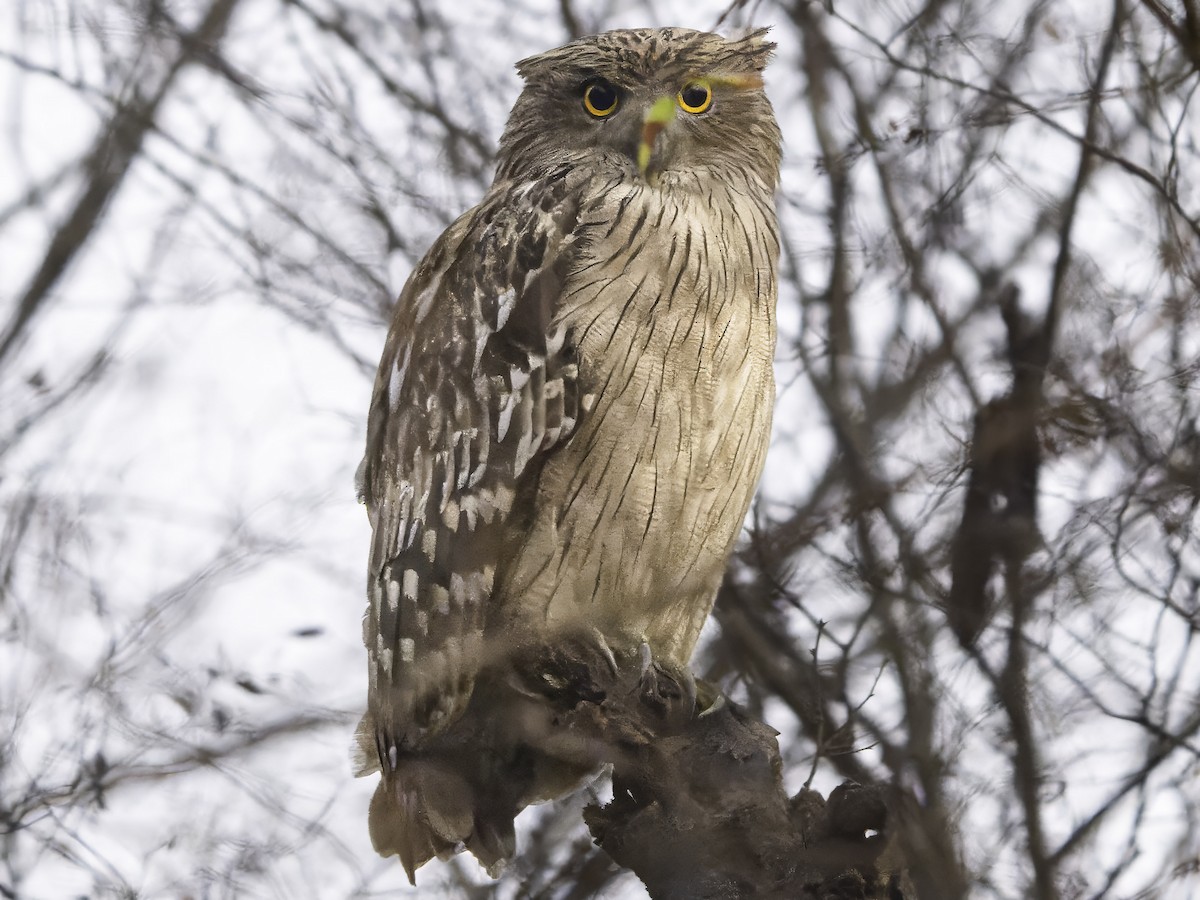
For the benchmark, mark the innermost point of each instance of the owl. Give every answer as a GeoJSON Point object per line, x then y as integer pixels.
{"type": "Point", "coordinates": [571, 412]}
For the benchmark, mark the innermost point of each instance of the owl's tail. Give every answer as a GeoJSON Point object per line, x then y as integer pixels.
{"type": "Point", "coordinates": [424, 808]}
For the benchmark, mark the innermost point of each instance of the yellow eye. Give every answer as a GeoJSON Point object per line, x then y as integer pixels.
{"type": "Point", "coordinates": [600, 98]}
{"type": "Point", "coordinates": [695, 97]}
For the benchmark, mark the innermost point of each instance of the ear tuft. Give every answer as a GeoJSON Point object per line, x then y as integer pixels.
{"type": "Point", "coordinates": [754, 47]}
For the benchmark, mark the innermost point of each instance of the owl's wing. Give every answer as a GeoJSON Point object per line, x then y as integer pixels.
{"type": "Point", "coordinates": [473, 389]}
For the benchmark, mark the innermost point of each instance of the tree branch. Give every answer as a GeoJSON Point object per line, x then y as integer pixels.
{"type": "Point", "coordinates": [699, 808]}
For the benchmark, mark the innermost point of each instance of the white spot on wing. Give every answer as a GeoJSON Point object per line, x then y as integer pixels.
{"type": "Point", "coordinates": [506, 413]}
{"type": "Point", "coordinates": [502, 498]}
{"type": "Point", "coordinates": [465, 439]}
{"type": "Point", "coordinates": [428, 297]}
{"type": "Point", "coordinates": [441, 597]}
{"type": "Point", "coordinates": [470, 509]}
{"type": "Point", "coordinates": [504, 307]}
{"type": "Point", "coordinates": [383, 654]}
{"type": "Point", "coordinates": [530, 441]}
{"type": "Point", "coordinates": [481, 443]}
{"type": "Point", "coordinates": [408, 648]}
{"type": "Point", "coordinates": [396, 378]}
{"type": "Point", "coordinates": [450, 515]}
{"type": "Point", "coordinates": [517, 377]}
{"type": "Point", "coordinates": [458, 588]}
{"type": "Point", "coordinates": [410, 584]}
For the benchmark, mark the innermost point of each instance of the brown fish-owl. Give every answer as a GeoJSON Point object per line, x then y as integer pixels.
{"type": "Point", "coordinates": [574, 401]}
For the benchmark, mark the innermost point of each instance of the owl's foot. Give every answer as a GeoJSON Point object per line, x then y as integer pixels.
{"type": "Point", "coordinates": [578, 667]}
{"type": "Point", "coordinates": [667, 688]}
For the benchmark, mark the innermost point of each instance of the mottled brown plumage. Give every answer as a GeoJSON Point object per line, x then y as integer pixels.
{"type": "Point", "coordinates": [574, 401]}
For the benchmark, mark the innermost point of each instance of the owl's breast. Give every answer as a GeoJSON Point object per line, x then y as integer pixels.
{"type": "Point", "coordinates": [673, 317]}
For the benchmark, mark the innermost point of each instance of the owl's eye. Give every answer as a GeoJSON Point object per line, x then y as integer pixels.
{"type": "Point", "coordinates": [695, 97]}
{"type": "Point", "coordinates": [600, 98]}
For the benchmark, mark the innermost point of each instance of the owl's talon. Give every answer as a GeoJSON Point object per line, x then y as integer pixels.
{"type": "Point", "coordinates": [645, 660]}
{"type": "Point", "coordinates": [668, 688]}
{"type": "Point", "coordinates": [715, 707]}
{"type": "Point", "coordinates": [605, 651]}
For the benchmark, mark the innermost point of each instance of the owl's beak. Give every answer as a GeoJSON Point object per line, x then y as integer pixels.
{"type": "Point", "coordinates": [658, 116]}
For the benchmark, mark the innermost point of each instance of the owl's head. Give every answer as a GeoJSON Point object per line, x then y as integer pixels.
{"type": "Point", "coordinates": [649, 103]}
